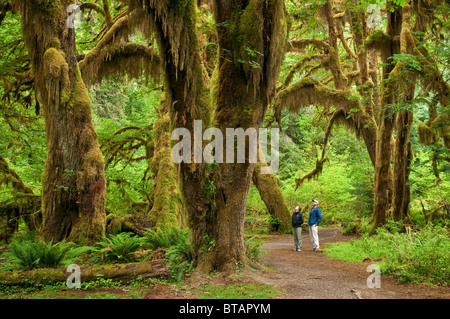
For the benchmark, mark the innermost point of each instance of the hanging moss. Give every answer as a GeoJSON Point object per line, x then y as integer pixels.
{"type": "Point", "coordinates": [426, 135]}
{"type": "Point", "coordinates": [442, 125]}
{"type": "Point", "coordinates": [317, 171]}
{"type": "Point", "coordinates": [55, 64]}
{"type": "Point", "coordinates": [56, 76]}
{"type": "Point", "coordinates": [309, 91]}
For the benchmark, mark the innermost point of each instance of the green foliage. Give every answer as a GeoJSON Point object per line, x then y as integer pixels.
{"type": "Point", "coordinates": [28, 252]}
{"type": "Point", "coordinates": [120, 247]}
{"type": "Point", "coordinates": [180, 259]}
{"type": "Point", "coordinates": [419, 257]}
{"type": "Point", "coordinates": [274, 223]}
{"type": "Point", "coordinates": [165, 237]}
{"type": "Point", "coordinates": [237, 291]}
{"type": "Point", "coordinates": [179, 251]}
{"type": "Point", "coordinates": [252, 248]}
{"type": "Point", "coordinates": [102, 283]}
{"type": "Point", "coordinates": [357, 227]}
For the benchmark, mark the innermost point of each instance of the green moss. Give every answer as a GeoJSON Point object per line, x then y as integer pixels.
{"type": "Point", "coordinates": [167, 208]}
{"type": "Point", "coordinates": [381, 42]}
{"type": "Point", "coordinates": [79, 99]}
{"type": "Point", "coordinates": [248, 39]}
{"type": "Point", "coordinates": [426, 135]}
{"type": "Point", "coordinates": [55, 64]}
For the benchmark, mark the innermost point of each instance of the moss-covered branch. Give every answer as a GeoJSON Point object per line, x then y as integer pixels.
{"type": "Point", "coordinates": [122, 147]}
{"type": "Point", "coordinates": [92, 6]}
{"type": "Point", "coordinates": [9, 176]}
{"type": "Point", "coordinates": [300, 45]}
{"type": "Point", "coordinates": [90, 273]}
{"type": "Point", "coordinates": [23, 203]}
{"type": "Point", "coordinates": [313, 174]}
{"type": "Point", "coordinates": [120, 29]}
{"type": "Point", "coordinates": [309, 91]}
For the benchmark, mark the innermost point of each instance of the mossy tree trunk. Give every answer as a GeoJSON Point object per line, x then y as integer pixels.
{"type": "Point", "coordinates": [152, 269]}
{"type": "Point", "coordinates": [168, 207]}
{"type": "Point", "coordinates": [382, 192]}
{"type": "Point", "coordinates": [73, 180]}
{"type": "Point", "coordinates": [402, 148]}
{"type": "Point", "coordinates": [270, 192]}
{"type": "Point", "coordinates": [216, 195]}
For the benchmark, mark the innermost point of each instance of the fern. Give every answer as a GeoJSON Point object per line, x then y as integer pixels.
{"type": "Point", "coordinates": [179, 251]}
{"type": "Point", "coordinates": [27, 252]}
{"type": "Point", "coordinates": [164, 238]}
{"type": "Point", "coordinates": [120, 247]}
{"type": "Point", "coordinates": [180, 259]}
{"type": "Point", "coordinates": [252, 248]}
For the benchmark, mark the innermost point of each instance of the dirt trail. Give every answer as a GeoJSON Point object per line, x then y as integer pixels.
{"type": "Point", "coordinates": [312, 275]}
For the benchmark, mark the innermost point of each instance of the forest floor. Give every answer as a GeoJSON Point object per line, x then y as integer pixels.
{"type": "Point", "coordinates": [284, 274]}
{"type": "Point", "coordinates": [313, 275]}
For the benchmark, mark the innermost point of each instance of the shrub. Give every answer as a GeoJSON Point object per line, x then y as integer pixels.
{"type": "Point", "coordinates": [120, 247]}
{"type": "Point", "coordinates": [27, 252]}
{"type": "Point", "coordinates": [165, 237]}
{"type": "Point", "coordinates": [275, 223]}
{"type": "Point", "coordinates": [419, 257]}
{"type": "Point", "coordinates": [179, 251]}
{"type": "Point", "coordinates": [180, 259]}
{"type": "Point", "coordinates": [252, 248]}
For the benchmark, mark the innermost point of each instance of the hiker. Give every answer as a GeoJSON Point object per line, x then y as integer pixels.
{"type": "Point", "coordinates": [297, 221]}
{"type": "Point", "coordinates": [315, 216]}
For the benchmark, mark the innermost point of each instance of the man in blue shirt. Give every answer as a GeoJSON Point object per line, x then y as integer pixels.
{"type": "Point", "coordinates": [315, 216]}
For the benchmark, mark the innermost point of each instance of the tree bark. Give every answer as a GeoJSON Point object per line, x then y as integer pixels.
{"type": "Point", "coordinates": [403, 124]}
{"type": "Point", "coordinates": [73, 180]}
{"type": "Point", "coordinates": [270, 192]}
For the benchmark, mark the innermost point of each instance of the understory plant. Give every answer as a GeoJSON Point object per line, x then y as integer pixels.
{"type": "Point", "coordinates": [418, 256]}
{"type": "Point", "coordinates": [165, 237]}
{"type": "Point", "coordinates": [27, 252]}
{"type": "Point", "coordinates": [120, 247]}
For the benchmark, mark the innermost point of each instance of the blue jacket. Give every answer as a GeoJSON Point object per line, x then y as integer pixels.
{"type": "Point", "coordinates": [315, 216]}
